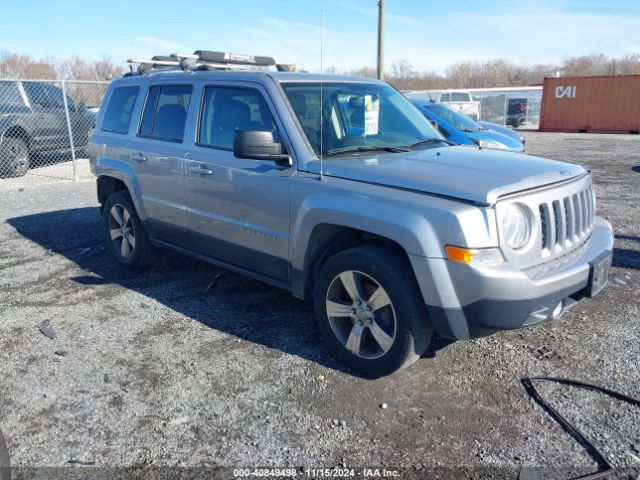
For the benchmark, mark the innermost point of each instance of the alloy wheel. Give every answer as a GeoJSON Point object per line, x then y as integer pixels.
{"type": "Point", "coordinates": [18, 156]}
{"type": "Point", "coordinates": [121, 230]}
{"type": "Point", "coordinates": [361, 314]}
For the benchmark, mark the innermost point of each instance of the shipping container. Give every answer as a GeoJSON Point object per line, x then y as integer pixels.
{"type": "Point", "coordinates": [602, 104]}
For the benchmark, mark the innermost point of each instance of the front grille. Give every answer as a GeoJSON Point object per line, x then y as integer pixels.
{"type": "Point", "coordinates": [566, 222]}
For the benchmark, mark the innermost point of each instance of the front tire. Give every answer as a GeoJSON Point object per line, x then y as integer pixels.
{"type": "Point", "coordinates": [126, 237]}
{"type": "Point", "coordinates": [14, 157]}
{"type": "Point", "coordinates": [370, 311]}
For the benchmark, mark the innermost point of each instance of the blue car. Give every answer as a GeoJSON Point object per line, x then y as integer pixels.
{"type": "Point", "coordinates": [462, 129]}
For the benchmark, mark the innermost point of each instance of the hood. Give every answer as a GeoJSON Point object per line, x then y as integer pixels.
{"type": "Point", "coordinates": [488, 135]}
{"type": "Point", "coordinates": [12, 108]}
{"type": "Point", "coordinates": [468, 173]}
{"type": "Point", "coordinates": [501, 129]}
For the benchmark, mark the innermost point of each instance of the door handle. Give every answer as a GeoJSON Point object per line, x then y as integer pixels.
{"type": "Point", "coordinates": [202, 170]}
{"type": "Point", "coordinates": [141, 158]}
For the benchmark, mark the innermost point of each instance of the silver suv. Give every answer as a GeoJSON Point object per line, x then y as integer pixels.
{"type": "Point", "coordinates": [339, 190]}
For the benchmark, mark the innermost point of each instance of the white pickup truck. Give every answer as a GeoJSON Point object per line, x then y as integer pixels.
{"type": "Point", "coordinates": [461, 101]}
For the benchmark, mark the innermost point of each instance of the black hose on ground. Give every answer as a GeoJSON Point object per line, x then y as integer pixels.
{"type": "Point", "coordinates": [604, 467]}
{"type": "Point", "coordinates": [5, 466]}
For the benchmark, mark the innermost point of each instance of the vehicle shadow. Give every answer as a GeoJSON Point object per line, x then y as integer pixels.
{"type": "Point", "coordinates": [628, 238]}
{"type": "Point", "coordinates": [626, 258]}
{"type": "Point", "coordinates": [217, 298]}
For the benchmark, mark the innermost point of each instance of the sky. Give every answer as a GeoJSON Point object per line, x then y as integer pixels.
{"type": "Point", "coordinates": [431, 34]}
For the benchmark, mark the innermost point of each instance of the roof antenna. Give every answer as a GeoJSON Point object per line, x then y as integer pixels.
{"type": "Point", "coordinates": [321, 100]}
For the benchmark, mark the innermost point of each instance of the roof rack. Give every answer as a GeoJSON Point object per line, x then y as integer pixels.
{"type": "Point", "coordinates": [207, 60]}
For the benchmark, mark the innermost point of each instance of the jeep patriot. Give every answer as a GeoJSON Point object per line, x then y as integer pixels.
{"type": "Point", "coordinates": [339, 190]}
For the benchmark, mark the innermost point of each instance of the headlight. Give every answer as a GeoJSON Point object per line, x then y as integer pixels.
{"type": "Point", "coordinates": [492, 144]}
{"type": "Point", "coordinates": [516, 226]}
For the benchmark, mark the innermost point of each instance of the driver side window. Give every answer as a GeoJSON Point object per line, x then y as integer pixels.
{"type": "Point", "coordinates": [37, 94]}
{"type": "Point", "coordinates": [227, 110]}
{"type": "Point", "coordinates": [56, 98]}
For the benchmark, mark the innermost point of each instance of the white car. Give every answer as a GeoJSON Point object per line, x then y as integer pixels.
{"type": "Point", "coordinates": [460, 101]}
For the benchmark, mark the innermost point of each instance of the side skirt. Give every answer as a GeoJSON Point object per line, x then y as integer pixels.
{"type": "Point", "coordinates": [222, 264]}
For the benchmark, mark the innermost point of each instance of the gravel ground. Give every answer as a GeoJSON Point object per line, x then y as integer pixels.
{"type": "Point", "coordinates": [154, 369]}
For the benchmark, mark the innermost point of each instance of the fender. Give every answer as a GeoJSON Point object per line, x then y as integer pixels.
{"type": "Point", "coordinates": [412, 231]}
{"type": "Point", "coordinates": [122, 170]}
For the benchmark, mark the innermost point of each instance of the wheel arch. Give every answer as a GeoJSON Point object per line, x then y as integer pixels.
{"type": "Point", "coordinates": [115, 172]}
{"type": "Point", "coordinates": [17, 131]}
{"type": "Point", "coordinates": [326, 238]}
{"type": "Point", "coordinates": [106, 185]}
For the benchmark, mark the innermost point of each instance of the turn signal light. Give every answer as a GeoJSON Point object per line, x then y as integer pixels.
{"type": "Point", "coordinates": [475, 256]}
{"type": "Point", "coordinates": [462, 255]}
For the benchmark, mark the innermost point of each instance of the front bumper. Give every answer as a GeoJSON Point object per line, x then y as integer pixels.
{"type": "Point", "coordinates": [484, 300]}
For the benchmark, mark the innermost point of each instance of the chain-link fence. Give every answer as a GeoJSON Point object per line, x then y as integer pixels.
{"type": "Point", "coordinates": [515, 107]}
{"type": "Point", "coordinates": [45, 127]}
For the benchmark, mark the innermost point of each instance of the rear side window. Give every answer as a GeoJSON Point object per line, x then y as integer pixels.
{"type": "Point", "coordinates": [165, 112]}
{"type": "Point", "coordinates": [117, 116]}
{"type": "Point", "coordinates": [446, 97]}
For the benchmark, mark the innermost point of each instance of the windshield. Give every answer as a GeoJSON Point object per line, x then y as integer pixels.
{"type": "Point", "coordinates": [460, 97]}
{"type": "Point", "coordinates": [457, 120]}
{"type": "Point", "coordinates": [9, 93]}
{"type": "Point", "coordinates": [357, 117]}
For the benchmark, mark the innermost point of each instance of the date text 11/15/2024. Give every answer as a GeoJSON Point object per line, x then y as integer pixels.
{"type": "Point", "coordinates": [316, 473]}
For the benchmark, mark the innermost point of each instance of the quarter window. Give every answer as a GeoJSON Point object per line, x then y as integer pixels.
{"type": "Point", "coordinates": [165, 112]}
{"type": "Point", "coordinates": [228, 110]}
{"type": "Point", "coordinates": [117, 116]}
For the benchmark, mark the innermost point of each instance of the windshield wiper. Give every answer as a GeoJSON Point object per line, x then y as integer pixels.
{"type": "Point", "coordinates": [430, 140]}
{"type": "Point", "coordinates": [379, 148]}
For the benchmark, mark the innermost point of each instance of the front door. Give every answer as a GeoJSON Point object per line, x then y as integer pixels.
{"type": "Point", "coordinates": [238, 209]}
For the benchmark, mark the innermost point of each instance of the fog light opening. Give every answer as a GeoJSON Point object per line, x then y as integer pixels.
{"type": "Point", "coordinates": [558, 310]}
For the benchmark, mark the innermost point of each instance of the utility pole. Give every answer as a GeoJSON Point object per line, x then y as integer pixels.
{"type": "Point", "coordinates": [381, 39]}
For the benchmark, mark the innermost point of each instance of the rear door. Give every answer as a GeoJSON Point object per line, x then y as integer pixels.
{"type": "Point", "coordinates": [80, 124]}
{"type": "Point", "coordinates": [238, 209]}
{"type": "Point", "coordinates": [157, 154]}
{"type": "Point", "coordinates": [56, 97]}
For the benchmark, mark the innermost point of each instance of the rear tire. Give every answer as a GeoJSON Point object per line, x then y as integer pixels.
{"type": "Point", "coordinates": [14, 157]}
{"type": "Point", "coordinates": [126, 237]}
{"type": "Point", "coordinates": [378, 323]}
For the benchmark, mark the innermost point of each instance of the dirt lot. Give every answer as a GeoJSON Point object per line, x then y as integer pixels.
{"type": "Point", "coordinates": [160, 372]}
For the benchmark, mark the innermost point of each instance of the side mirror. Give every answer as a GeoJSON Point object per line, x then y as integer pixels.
{"type": "Point", "coordinates": [259, 145]}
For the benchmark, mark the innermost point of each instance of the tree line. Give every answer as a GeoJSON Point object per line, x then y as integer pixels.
{"type": "Point", "coordinates": [401, 73]}
{"type": "Point", "coordinates": [15, 65]}
{"type": "Point", "coordinates": [501, 72]}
